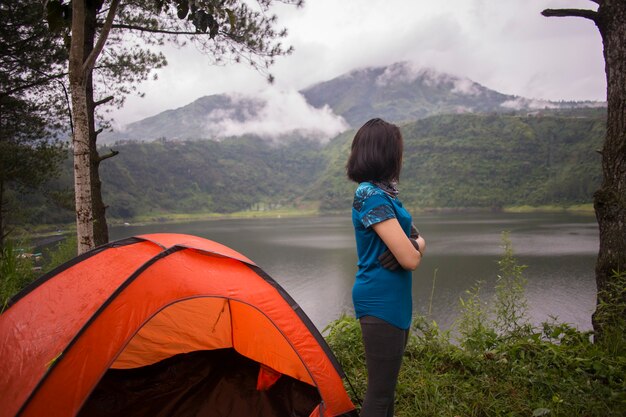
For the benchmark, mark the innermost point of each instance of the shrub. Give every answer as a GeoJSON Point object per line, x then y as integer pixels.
{"type": "Point", "coordinates": [500, 365]}
{"type": "Point", "coordinates": [16, 271]}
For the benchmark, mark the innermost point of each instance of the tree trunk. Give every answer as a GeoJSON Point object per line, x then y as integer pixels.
{"type": "Point", "coordinates": [2, 220]}
{"type": "Point", "coordinates": [91, 225]}
{"type": "Point", "coordinates": [82, 167]}
{"type": "Point", "coordinates": [100, 228]}
{"type": "Point", "coordinates": [80, 117]}
{"type": "Point", "coordinates": [1, 217]}
{"type": "Point", "coordinates": [610, 199]}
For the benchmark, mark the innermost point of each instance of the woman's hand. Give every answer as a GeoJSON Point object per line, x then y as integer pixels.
{"type": "Point", "coordinates": [404, 251]}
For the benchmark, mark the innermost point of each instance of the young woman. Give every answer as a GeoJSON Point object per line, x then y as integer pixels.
{"type": "Point", "coordinates": [388, 248]}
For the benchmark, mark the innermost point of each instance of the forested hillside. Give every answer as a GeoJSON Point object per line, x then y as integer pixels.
{"type": "Point", "coordinates": [488, 161]}
{"type": "Point", "coordinates": [220, 177]}
{"type": "Point", "coordinates": [450, 161]}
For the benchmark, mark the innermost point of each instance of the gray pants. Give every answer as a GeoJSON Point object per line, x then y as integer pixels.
{"type": "Point", "coordinates": [384, 347]}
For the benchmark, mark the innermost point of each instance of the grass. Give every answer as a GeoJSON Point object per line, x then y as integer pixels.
{"type": "Point", "coordinates": [17, 270]}
{"type": "Point", "coordinates": [499, 364]}
{"type": "Point", "coordinates": [200, 216]}
{"type": "Point", "coordinates": [577, 208]}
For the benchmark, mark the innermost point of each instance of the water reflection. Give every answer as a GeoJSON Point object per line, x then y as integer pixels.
{"type": "Point", "coordinates": [314, 259]}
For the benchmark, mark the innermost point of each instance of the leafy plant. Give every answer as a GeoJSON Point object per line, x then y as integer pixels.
{"type": "Point", "coordinates": [15, 272]}
{"type": "Point", "coordinates": [611, 312]}
{"type": "Point", "coordinates": [60, 253]}
{"type": "Point", "coordinates": [500, 365]}
{"type": "Point", "coordinates": [510, 305]}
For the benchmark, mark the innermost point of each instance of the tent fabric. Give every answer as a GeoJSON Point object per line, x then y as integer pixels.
{"type": "Point", "coordinates": [141, 301]}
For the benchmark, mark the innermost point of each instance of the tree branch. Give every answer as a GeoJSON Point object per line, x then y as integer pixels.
{"type": "Point", "coordinates": [145, 29]}
{"type": "Point", "coordinates": [172, 32]}
{"type": "Point", "coordinates": [587, 14]}
{"type": "Point", "coordinates": [104, 34]}
{"type": "Point", "coordinates": [69, 106]}
{"type": "Point", "coordinates": [101, 102]}
{"type": "Point", "coordinates": [111, 154]}
{"type": "Point", "coordinates": [41, 81]}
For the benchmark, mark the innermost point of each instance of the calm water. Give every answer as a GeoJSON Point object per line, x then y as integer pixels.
{"type": "Point", "coordinates": [314, 259]}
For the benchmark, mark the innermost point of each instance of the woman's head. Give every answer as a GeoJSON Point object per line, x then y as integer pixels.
{"type": "Point", "coordinates": [376, 152]}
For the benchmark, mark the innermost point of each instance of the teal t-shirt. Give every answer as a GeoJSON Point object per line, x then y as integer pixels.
{"type": "Point", "coordinates": [377, 291]}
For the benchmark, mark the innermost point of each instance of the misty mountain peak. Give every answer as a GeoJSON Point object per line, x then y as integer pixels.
{"type": "Point", "coordinates": [272, 115]}
{"type": "Point", "coordinates": [406, 73]}
{"type": "Point", "coordinates": [401, 92]}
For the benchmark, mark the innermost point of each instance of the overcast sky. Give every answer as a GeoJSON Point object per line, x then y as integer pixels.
{"type": "Point", "coordinates": [505, 45]}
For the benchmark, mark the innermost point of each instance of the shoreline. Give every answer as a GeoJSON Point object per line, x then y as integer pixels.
{"type": "Point", "coordinates": [581, 209]}
{"type": "Point", "coordinates": [44, 231]}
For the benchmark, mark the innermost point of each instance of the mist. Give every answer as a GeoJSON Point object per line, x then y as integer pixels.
{"type": "Point", "coordinates": [276, 115]}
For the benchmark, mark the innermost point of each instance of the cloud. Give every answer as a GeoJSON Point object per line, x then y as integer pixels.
{"type": "Point", "coordinates": [503, 45]}
{"type": "Point", "coordinates": [407, 72]}
{"type": "Point", "coordinates": [402, 72]}
{"type": "Point", "coordinates": [276, 115]}
{"type": "Point", "coordinates": [466, 86]}
{"type": "Point", "coordinates": [520, 103]}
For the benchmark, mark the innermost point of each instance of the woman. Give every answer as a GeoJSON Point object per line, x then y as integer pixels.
{"type": "Point", "coordinates": [388, 249]}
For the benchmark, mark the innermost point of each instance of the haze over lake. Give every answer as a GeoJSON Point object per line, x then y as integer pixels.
{"type": "Point", "coordinates": [314, 259]}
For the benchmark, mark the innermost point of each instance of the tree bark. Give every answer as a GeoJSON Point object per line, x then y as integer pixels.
{"type": "Point", "coordinates": [2, 236]}
{"type": "Point", "coordinates": [91, 225]}
{"type": "Point", "coordinates": [79, 80]}
{"type": "Point", "coordinates": [100, 228]}
{"type": "Point", "coordinates": [610, 199]}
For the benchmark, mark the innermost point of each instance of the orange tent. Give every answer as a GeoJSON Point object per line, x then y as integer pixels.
{"type": "Point", "coordinates": [164, 325]}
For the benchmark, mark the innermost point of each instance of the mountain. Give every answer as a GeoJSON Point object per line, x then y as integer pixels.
{"type": "Point", "coordinates": [200, 119]}
{"type": "Point", "coordinates": [399, 93]}
{"type": "Point", "coordinates": [403, 93]}
{"type": "Point", "coordinates": [450, 161]}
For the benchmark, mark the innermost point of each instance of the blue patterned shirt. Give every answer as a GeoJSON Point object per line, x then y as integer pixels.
{"type": "Point", "coordinates": [377, 291]}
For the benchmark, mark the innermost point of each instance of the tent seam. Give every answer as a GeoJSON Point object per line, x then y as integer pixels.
{"type": "Point", "coordinates": [96, 314]}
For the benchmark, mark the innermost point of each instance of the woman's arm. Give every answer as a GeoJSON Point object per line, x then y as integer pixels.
{"type": "Point", "coordinates": [398, 243]}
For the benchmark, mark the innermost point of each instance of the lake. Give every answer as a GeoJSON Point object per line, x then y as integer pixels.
{"type": "Point", "coordinates": [314, 259]}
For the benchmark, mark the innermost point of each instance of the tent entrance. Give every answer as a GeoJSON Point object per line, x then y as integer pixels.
{"type": "Point", "coordinates": [204, 383]}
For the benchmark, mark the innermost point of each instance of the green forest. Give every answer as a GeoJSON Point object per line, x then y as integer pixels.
{"type": "Point", "coordinates": [450, 161]}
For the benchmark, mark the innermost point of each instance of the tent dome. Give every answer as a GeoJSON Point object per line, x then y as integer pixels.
{"type": "Point", "coordinates": [164, 325]}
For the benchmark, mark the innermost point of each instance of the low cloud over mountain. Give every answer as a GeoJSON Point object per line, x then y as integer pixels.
{"type": "Point", "coordinates": [401, 93]}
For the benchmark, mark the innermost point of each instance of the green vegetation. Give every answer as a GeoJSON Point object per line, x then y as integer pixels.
{"type": "Point", "coordinates": [60, 253]}
{"type": "Point", "coordinates": [16, 271]}
{"type": "Point", "coordinates": [498, 364]}
{"type": "Point", "coordinates": [206, 176]}
{"type": "Point", "coordinates": [19, 268]}
{"type": "Point", "coordinates": [487, 162]}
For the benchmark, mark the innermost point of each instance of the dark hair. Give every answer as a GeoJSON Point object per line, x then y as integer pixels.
{"type": "Point", "coordinates": [376, 153]}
